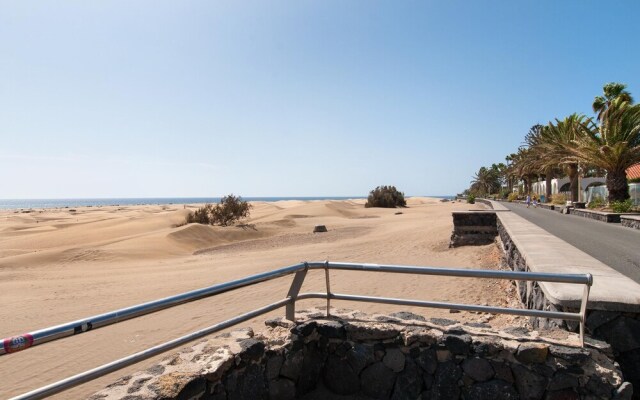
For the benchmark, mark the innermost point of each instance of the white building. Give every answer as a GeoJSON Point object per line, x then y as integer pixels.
{"type": "Point", "coordinates": [590, 187]}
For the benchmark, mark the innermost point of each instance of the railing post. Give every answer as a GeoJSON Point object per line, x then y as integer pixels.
{"type": "Point", "coordinates": [326, 275]}
{"type": "Point", "coordinates": [583, 308]}
{"type": "Point", "coordinates": [298, 279]}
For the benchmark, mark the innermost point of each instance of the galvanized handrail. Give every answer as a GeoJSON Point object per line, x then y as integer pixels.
{"type": "Point", "coordinates": [22, 342]}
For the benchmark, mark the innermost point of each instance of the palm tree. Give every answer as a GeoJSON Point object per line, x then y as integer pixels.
{"type": "Point", "coordinates": [510, 174]}
{"type": "Point", "coordinates": [485, 181]}
{"type": "Point", "coordinates": [551, 144]}
{"type": "Point", "coordinates": [525, 166]}
{"type": "Point", "coordinates": [501, 175]}
{"type": "Point", "coordinates": [612, 91]}
{"type": "Point", "coordinates": [613, 145]}
{"type": "Point", "coordinates": [534, 140]}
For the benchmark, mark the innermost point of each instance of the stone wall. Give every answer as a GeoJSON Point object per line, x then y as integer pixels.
{"type": "Point", "coordinates": [630, 222]}
{"type": "Point", "coordinates": [621, 330]}
{"type": "Point", "coordinates": [598, 215]}
{"type": "Point", "coordinates": [397, 356]}
{"type": "Point", "coordinates": [530, 294]}
{"type": "Point", "coordinates": [473, 228]}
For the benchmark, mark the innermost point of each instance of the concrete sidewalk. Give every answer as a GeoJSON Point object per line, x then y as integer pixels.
{"type": "Point", "coordinates": [544, 252]}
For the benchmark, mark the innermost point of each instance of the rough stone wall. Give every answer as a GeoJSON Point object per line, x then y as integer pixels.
{"type": "Point", "coordinates": [397, 356]}
{"type": "Point", "coordinates": [598, 216]}
{"type": "Point", "coordinates": [621, 330]}
{"type": "Point", "coordinates": [633, 223]}
{"type": "Point", "coordinates": [530, 294]}
{"type": "Point", "coordinates": [473, 228]}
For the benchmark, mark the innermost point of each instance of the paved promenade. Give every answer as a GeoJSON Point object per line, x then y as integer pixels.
{"type": "Point", "coordinates": [616, 246]}
{"type": "Point", "coordinates": [545, 252]}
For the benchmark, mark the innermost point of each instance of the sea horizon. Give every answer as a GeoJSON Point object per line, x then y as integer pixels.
{"type": "Point", "coordinates": [17, 204]}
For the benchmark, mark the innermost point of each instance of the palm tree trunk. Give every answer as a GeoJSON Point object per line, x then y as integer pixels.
{"type": "Point", "coordinates": [547, 185]}
{"type": "Point", "coordinates": [573, 177]}
{"type": "Point", "coordinates": [617, 185]}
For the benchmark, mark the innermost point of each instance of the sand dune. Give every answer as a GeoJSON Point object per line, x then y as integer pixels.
{"type": "Point", "coordinates": [60, 265]}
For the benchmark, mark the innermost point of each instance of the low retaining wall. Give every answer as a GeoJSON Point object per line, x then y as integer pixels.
{"type": "Point", "coordinates": [398, 356]}
{"type": "Point", "coordinates": [473, 228]}
{"type": "Point", "coordinates": [620, 329]}
{"type": "Point", "coordinates": [597, 215]}
{"type": "Point", "coordinates": [530, 293]}
{"type": "Point", "coordinates": [630, 221]}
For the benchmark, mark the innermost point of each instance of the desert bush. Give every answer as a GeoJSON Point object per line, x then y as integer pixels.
{"type": "Point", "coordinates": [201, 215]}
{"type": "Point", "coordinates": [621, 206]}
{"type": "Point", "coordinates": [559, 199]}
{"type": "Point", "coordinates": [471, 199]}
{"type": "Point", "coordinates": [230, 209]}
{"type": "Point", "coordinates": [512, 197]}
{"type": "Point", "coordinates": [385, 196]}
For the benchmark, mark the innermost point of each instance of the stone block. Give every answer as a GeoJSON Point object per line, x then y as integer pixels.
{"type": "Point", "coordinates": [530, 385]}
{"type": "Point", "coordinates": [532, 353]}
{"type": "Point", "coordinates": [377, 381]}
{"type": "Point", "coordinates": [445, 384]}
{"type": "Point", "coordinates": [495, 390]}
{"type": "Point", "coordinates": [478, 369]}
{"type": "Point", "coordinates": [339, 377]}
{"type": "Point", "coordinates": [408, 382]}
{"type": "Point", "coordinates": [457, 344]}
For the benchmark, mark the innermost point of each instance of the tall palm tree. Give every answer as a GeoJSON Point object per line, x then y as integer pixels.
{"type": "Point", "coordinates": [501, 174]}
{"type": "Point", "coordinates": [613, 145]}
{"type": "Point", "coordinates": [526, 167]}
{"type": "Point", "coordinates": [611, 91]}
{"type": "Point", "coordinates": [485, 181]}
{"type": "Point", "coordinates": [546, 166]}
{"type": "Point", "coordinates": [555, 144]}
{"type": "Point", "coordinates": [510, 171]}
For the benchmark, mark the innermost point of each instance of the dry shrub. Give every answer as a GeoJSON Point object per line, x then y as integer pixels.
{"type": "Point", "coordinates": [230, 209]}
{"type": "Point", "coordinates": [385, 196]}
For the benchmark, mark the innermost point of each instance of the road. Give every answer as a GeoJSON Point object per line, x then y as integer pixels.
{"type": "Point", "coordinates": [613, 244]}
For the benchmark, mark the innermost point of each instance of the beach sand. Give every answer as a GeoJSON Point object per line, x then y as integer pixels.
{"type": "Point", "coordinates": [59, 265]}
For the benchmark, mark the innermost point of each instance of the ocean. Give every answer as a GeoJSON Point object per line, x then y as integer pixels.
{"type": "Point", "coordinates": [17, 204]}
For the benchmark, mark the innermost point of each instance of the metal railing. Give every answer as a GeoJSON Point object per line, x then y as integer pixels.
{"type": "Point", "coordinates": [31, 339]}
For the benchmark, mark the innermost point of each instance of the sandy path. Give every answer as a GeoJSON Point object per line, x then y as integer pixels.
{"type": "Point", "coordinates": [57, 266]}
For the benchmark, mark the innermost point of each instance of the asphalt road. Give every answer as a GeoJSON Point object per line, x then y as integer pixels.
{"type": "Point", "coordinates": [613, 244]}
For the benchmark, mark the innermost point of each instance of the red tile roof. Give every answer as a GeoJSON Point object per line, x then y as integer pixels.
{"type": "Point", "coordinates": [633, 172]}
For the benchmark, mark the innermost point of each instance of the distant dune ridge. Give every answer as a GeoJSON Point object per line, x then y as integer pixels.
{"type": "Point", "coordinates": [58, 265]}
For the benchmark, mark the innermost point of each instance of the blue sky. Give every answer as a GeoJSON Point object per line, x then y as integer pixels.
{"type": "Point", "coordinates": [290, 98]}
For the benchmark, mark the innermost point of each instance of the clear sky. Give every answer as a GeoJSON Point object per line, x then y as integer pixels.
{"type": "Point", "coordinates": [290, 98]}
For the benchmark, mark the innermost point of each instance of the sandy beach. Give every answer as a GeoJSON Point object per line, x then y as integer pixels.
{"type": "Point", "coordinates": [58, 265]}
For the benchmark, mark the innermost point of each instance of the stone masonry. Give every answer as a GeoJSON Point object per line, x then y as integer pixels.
{"type": "Point", "coordinates": [620, 329]}
{"type": "Point", "coordinates": [629, 221]}
{"type": "Point", "coordinates": [473, 228]}
{"type": "Point", "coordinates": [352, 355]}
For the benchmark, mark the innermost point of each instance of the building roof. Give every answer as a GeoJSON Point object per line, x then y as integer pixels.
{"type": "Point", "coordinates": [633, 172]}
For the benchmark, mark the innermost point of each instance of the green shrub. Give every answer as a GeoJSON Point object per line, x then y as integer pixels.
{"type": "Point", "coordinates": [597, 202]}
{"type": "Point", "coordinates": [230, 209]}
{"type": "Point", "coordinates": [513, 196]}
{"type": "Point", "coordinates": [471, 199]}
{"type": "Point", "coordinates": [385, 196]}
{"type": "Point", "coordinates": [622, 206]}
